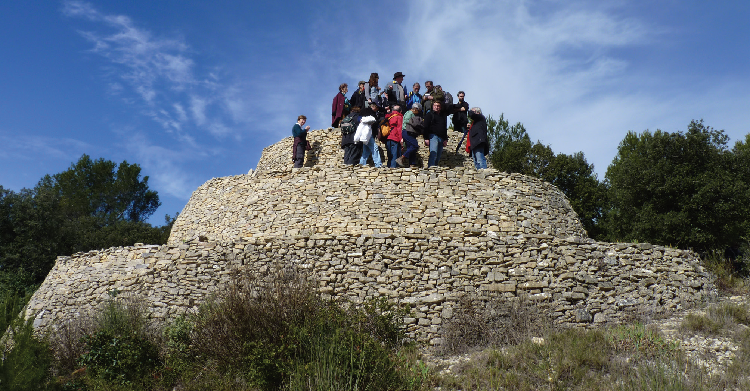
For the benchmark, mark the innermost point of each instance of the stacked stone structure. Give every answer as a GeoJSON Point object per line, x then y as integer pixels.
{"type": "Point", "coordinates": [422, 237]}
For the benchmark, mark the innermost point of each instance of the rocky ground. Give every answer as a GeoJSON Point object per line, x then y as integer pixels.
{"type": "Point", "coordinates": [714, 352]}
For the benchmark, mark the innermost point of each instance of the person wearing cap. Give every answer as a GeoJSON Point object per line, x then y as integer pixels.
{"type": "Point", "coordinates": [409, 134]}
{"type": "Point", "coordinates": [395, 91]}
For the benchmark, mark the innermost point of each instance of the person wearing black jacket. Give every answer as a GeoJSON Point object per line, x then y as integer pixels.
{"type": "Point", "coordinates": [352, 150]}
{"type": "Point", "coordinates": [436, 132]}
{"type": "Point", "coordinates": [460, 119]}
{"type": "Point", "coordinates": [478, 140]}
{"type": "Point", "coordinates": [359, 97]}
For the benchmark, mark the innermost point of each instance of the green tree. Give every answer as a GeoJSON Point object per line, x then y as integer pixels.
{"type": "Point", "coordinates": [513, 151]}
{"type": "Point", "coordinates": [105, 191]}
{"type": "Point", "coordinates": [94, 204]}
{"type": "Point", "coordinates": [682, 189]}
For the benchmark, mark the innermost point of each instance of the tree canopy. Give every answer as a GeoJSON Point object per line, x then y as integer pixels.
{"type": "Point", "coordinates": [682, 189]}
{"type": "Point", "coordinates": [94, 204]}
{"type": "Point", "coordinates": [513, 151]}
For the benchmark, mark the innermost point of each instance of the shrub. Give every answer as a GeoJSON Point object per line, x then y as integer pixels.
{"type": "Point", "coordinates": [118, 347]}
{"type": "Point", "coordinates": [26, 362]}
{"type": "Point", "coordinates": [721, 318]}
{"type": "Point", "coordinates": [274, 331]}
{"type": "Point", "coordinates": [636, 338]}
{"type": "Point", "coordinates": [481, 322]}
{"type": "Point", "coordinates": [68, 344]}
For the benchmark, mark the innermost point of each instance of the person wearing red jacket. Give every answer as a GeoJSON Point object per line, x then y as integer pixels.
{"type": "Point", "coordinates": [393, 142]}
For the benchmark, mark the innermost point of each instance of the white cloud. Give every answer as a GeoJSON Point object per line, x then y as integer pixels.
{"type": "Point", "coordinates": [165, 165]}
{"type": "Point", "coordinates": [21, 147]}
{"type": "Point", "coordinates": [198, 109]}
{"type": "Point", "coordinates": [557, 67]}
{"type": "Point", "coordinates": [180, 111]}
{"type": "Point", "coordinates": [159, 71]}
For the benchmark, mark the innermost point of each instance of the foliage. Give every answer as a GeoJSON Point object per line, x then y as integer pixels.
{"type": "Point", "coordinates": [682, 189]}
{"type": "Point", "coordinates": [624, 358]}
{"type": "Point", "coordinates": [479, 322]}
{"type": "Point", "coordinates": [274, 331]}
{"type": "Point", "coordinates": [121, 349]}
{"type": "Point", "coordinates": [119, 358]}
{"type": "Point", "coordinates": [636, 338]}
{"type": "Point", "coordinates": [513, 151]}
{"type": "Point", "coordinates": [104, 190]}
{"type": "Point", "coordinates": [25, 366]}
{"type": "Point", "coordinates": [94, 204]}
{"type": "Point", "coordinates": [717, 319]}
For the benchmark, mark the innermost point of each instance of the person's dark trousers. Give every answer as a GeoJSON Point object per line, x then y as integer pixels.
{"type": "Point", "coordinates": [394, 151]}
{"type": "Point", "coordinates": [299, 155]}
{"type": "Point", "coordinates": [352, 153]}
{"type": "Point", "coordinates": [465, 131]}
{"type": "Point", "coordinates": [412, 146]}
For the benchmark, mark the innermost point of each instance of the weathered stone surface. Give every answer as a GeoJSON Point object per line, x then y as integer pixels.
{"type": "Point", "coordinates": [423, 237]}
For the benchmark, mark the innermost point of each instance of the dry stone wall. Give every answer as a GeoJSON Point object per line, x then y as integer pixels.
{"type": "Point", "coordinates": [422, 237]}
{"type": "Point", "coordinates": [357, 200]}
{"type": "Point", "coordinates": [580, 282]}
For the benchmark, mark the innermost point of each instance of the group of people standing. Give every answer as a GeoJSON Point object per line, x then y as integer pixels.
{"type": "Point", "coordinates": [397, 119]}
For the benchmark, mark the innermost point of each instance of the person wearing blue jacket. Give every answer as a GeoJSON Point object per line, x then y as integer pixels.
{"type": "Point", "coordinates": [300, 141]}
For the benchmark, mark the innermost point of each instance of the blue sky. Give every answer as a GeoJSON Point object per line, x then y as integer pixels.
{"type": "Point", "coordinates": [192, 90]}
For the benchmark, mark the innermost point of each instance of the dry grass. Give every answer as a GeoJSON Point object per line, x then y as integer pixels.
{"type": "Point", "coordinates": [481, 322]}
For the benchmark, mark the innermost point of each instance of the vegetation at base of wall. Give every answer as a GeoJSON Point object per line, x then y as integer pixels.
{"type": "Point", "coordinates": [726, 318]}
{"type": "Point", "coordinates": [26, 359]}
{"type": "Point", "coordinates": [627, 357]}
{"type": "Point", "coordinates": [479, 322]}
{"type": "Point", "coordinates": [263, 332]}
{"type": "Point", "coordinates": [273, 331]}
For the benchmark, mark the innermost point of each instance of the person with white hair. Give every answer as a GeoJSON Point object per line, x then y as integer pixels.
{"type": "Point", "coordinates": [478, 140]}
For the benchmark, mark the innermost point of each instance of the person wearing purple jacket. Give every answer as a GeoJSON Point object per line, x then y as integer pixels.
{"type": "Point", "coordinates": [338, 110]}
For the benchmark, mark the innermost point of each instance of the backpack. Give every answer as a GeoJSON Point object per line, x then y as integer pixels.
{"type": "Point", "coordinates": [391, 93]}
{"type": "Point", "coordinates": [348, 125]}
{"type": "Point", "coordinates": [385, 130]}
{"type": "Point", "coordinates": [437, 95]}
{"type": "Point", "coordinates": [448, 99]}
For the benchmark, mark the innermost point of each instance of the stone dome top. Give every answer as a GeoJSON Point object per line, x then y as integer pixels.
{"type": "Point", "coordinates": [329, 198]}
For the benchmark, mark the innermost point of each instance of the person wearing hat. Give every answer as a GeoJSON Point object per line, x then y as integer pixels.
{"type": "Point", "coordinates": [359, 97]}
{"type": "Point", "coordinates": [395, 92]}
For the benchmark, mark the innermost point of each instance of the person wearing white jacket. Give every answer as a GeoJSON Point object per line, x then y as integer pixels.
{"type": "Point", "coordinates": [369, 147]}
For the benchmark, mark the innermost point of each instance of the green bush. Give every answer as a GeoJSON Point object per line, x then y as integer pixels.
{"type": "Point", "coordinates": [26, 364]}
{"type": "Point", "coordinates": [119, 358]}
{"type": "Point", "coordinates": [120, 350]}
{"type": "Point", "coordinates": [274, 331]}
